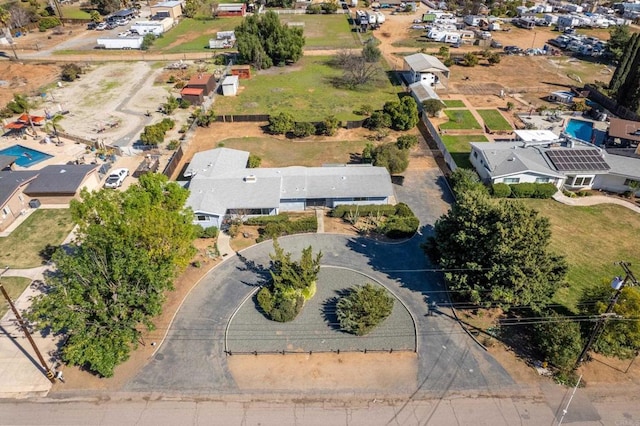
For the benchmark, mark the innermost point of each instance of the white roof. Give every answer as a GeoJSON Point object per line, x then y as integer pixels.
{"type": "Point", "coordinates": [536, 135]}
{"type": "Point", "coordinates": [171, 3]}
{"type": "Point", "coordinates": [221, 182]}
{"type": "Point", "coordinates": [230, 80]}
{"type": "Point", "coordinates": [423, 91]}
{"type": "Point", "coordinates": [420, 62]}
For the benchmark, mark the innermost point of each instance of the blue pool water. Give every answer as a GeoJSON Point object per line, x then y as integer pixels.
{"type": "Point", "coordinates": [580, 129]}
{"type": "Point", "coordinates": [26, 156]}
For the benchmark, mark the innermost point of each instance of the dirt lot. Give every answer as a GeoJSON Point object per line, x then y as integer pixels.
{"type": "Point", "coordinates": [24, 79]}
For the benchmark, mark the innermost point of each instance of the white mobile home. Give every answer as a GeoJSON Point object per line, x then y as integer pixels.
{"type": "Point", "coordinates": [120, 43]}
{"type": "Point", "coordinates": [152, 27]}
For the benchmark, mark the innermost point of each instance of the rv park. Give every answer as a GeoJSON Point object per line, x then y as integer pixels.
{"type": "Point", "coordinates": [546, 55]}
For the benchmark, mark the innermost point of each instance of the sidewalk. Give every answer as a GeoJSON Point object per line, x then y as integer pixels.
{"type": "Point", "coordinates": [21, 372]}
{"type": "Point", "coordinates": [594, 200]}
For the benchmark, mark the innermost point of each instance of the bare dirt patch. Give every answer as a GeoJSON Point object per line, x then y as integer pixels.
{"type": "Point", "coordinates": [24, 78]}
{"type": "Point", "coordinates": [371, 371]}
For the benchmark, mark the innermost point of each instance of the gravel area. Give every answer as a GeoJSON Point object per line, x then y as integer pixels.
{"type": "Point", "coordinates": [315, 329]}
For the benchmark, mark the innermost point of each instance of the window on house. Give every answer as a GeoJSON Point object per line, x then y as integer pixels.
{"type": "Point", "coordinates": [629, 182]}
{"type": "Point", "coordinates": [582, 180]}
{"type": "Point", "coordinates": [5, 212]}
{"type": "Point", "coordinates": [20, 197]}
{"type": "Point", "coordinates": [360, 199]}
{"type": "Point", "coordinates": [543, 180]}
{"type": "Point", "coordinates": [511, 180]}
{"type": "Point", "coordinates": [475, 154]}
{"type": "Point", "coordinates": [202, 218]}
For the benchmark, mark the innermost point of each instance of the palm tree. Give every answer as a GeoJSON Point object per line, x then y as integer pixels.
{"type": "Point", "coordinates": [52, 123]}
{"type": "Point", "coordinates": [5, 19]}
{"type": "Point", "coordinates": [25, 105]}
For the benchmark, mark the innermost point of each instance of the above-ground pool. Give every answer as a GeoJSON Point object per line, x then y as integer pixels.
{"type": "Point", "coordinates": [26, 156]}
{"type": "Point", "coordinates": [580, 129]}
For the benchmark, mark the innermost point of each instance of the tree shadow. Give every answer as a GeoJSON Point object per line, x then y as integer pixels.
{"type": "Point", "coordinates": [329, 310]}
{"type": "Point", "coordinates": [262, 272]}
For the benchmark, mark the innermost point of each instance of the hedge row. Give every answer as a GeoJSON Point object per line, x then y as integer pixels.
{"type": "Point", "coordinates": [288, 227]}
{"type": "Point", "coordinates": [523, 190]}
{"type": "Point", "coordinates": [400, 227]}
{"type": "Point", "coordinates": [383, 209]}
{"type": "Point", "coordinates": [263, 220]}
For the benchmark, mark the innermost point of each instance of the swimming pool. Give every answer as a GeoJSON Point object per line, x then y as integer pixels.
{"type": "Point", "coordinates": [26, 156]}
{"type": "Point", "coordinates": [580, 129]}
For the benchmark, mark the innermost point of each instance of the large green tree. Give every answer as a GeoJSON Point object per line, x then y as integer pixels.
{"type": "Point", "coordinates": [403, 113]}
{"type": "Point", "coordinates": [621, 335]}
{"type": "Point", "coordinates": [263, 41]}
{"type": "Point", "coordinates": [496, 253]}
{"type": "Point", "coordinates": [618, 40]}
{"type": "Point", "coordinates": [131, 245]}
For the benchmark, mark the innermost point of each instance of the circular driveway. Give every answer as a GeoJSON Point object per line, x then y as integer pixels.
{"type": "Point", "coordinates": [192, 359]}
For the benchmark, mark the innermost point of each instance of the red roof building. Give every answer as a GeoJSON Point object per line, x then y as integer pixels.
{"type": "Point", "coordinates": [193, 94]}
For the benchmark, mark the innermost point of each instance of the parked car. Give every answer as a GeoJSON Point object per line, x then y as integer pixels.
{"type": "Point", "coordinates": [111, 25]}
{"type": "Point", "coordinates": [92, 25]}
{"type": "Point", "coordinates": [418, 27]}
{"type": "Point", "coordinates": [101, 26]}
{"type": "Point", "coordinates": [512, 50]}
{"type": "Point", "coordinates": [116, 178]}
{"type": "Point", "coordinates": [496, 44]}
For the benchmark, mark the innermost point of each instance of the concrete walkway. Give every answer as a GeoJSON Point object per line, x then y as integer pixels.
{"type": "Point", "coordinates": [594, 200]}
{"type": "Point", "coordinates": [320, 218]}
{"type": "Point", "coordinates": [21, 373]}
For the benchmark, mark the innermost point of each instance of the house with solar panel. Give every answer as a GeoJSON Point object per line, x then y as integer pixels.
{"type": "Point", "coordinates": [566, 163]}
{"type": "Point", "coordinates": [222, 187]}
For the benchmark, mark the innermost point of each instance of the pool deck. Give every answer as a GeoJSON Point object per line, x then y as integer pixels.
{"type": "Point", "coordinates": [69, 151]}
{"type": "Point", "coordinates": [541, 122]}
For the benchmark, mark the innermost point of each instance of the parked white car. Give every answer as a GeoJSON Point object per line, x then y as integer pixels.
{"type": "Point", "coordinates": [116, 178]}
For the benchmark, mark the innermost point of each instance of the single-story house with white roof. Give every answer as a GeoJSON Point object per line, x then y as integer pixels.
{"type": "Point", "coordinates": [580, 166]}
{"type": "Point", "coordinates": [426, 68]}
{"type": "Point", "coordinates": [222, 187]}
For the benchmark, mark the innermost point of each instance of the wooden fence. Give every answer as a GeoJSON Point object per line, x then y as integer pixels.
{"type": "Point", "coordinates": [174, 162]}
{"type": "Point", "coordinates": [439, 143]}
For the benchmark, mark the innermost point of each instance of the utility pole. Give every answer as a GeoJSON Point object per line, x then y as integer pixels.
{"type": "Point", "coordinates": [50, 374]}
{"type": "Point", "coordinates": [617, 284]}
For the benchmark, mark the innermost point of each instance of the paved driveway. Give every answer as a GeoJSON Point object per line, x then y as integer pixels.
{"type": "Point", "coordinates": [192, 358]}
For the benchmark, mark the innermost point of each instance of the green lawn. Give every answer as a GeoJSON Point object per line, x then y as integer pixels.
{"type": "Point", "coordinates": [282, 153]}
{"type": "Point", "coordinates": [592, 239]}
{"type": "Point", "coordinates": [14, 286]}
{"type": "Point", "coordinates": [307, 91]}
{"type": "Point", "coordinates": [45, 226]}
{"type": "Point", "coordinates": [460, 119]}
{"type": "Point", "coordinates": [74, 12]}
{"type": "Point", "coordinates": [454, 103]}
{"type": "Point", "coordinates": [192, 35]}
{"type": "Point", "coordinates": [459, 148]}
{"type": "Point", "coordinates": [325, 31]}
{"type": "Point", "coordinates": [494, 120]}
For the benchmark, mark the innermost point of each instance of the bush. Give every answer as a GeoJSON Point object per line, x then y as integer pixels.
{"type": "Point", "coordinates": [363, 308]}
{"type": "Point", "coordinates": [400, 227]}
{"type": "Point", "coordinates": [545, 190]}
{"type": "Point", "coordinates": [48, 22]}
{"type": "Point", "coordinates": [70, 72]}
{"type": "Point", "coordinates": [523, 190]}
{"type": "Point", "coordinates": [403, 113]}
{"type": "Point", "coordinates": [500, 190]}
{"type": "Point", "coordinates": [183, 103]}
{"type": "Point", "coordinates": [403, 210]}
{"type": "Point", "coordinates": [173, 144]}
{"type": "Point", "coordinates": [263, 220]}
{"type": "Point", "coordinates": [210, 232]}
{"type": "Point", "coordinates": [265, 300]}
{"type": "Point", "coordinates": [303, 129]}
{"type": "Point", "coordinates": [559, 340]}
{"type": "Point", "coordinates": [147, 41]}
{"type": "Point", "coordinates": [253, 161]}
{"type": "Point", "coordinates": [281, 124]}
{"type": "Point", "coordinates": [394, 159]}
{"type": "Point", "coordinates": [463, 180]}
{"type": "Point", "coordinates": [407, 141]}
{"type": "Point", "coordinates": [198, 231]}
{"type": "Point", "coordinates": [381, 209]}
{"type": "Point", "coordinates": [300, 226]}
{"type": "Point", "coordinates": [329, 126]}
{"type": "Point", "coordinates": [377, 120]}
{"type": "Point", "coordinates": [285, 309]}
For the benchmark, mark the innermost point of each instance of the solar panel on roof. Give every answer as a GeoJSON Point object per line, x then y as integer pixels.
{"type": "Point", "coordinates": [577, 160]}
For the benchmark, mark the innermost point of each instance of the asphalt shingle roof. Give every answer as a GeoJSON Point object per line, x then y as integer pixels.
{"type": "Point", "coordinates": [11, 180]}
{"type": "Point", "coordinates": [60, 179]}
